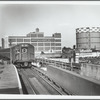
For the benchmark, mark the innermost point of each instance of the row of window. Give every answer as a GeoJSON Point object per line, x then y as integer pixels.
{"type": "Point", "coordinates": [57, 35]}
{"type": "Point", "coordinates": [40, 44]}
{"type": "Point", "coordinates": [47, 48]}
{"type": "Point", "coordinates": [35, 35]}
{"type": "Point", "coordinates": [34, 40]}
{"type": "Point", "coordinates": [46, 44]}
{"type": "Point", "coordinates": [44, 48]}
{"type": "Point", "coordinates": [88, 46]}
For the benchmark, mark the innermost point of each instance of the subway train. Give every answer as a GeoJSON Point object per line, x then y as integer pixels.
{"type": "Point", "coordinates": [22, 55]}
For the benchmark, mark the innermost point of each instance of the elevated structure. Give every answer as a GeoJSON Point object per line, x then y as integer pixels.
{"type": "Point", "coordinates": [88, 38]}
{"type": "Point", "coordinates": [75, 83]}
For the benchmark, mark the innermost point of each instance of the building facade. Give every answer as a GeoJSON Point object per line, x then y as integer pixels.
{"type": "Point", "coordinates": [88, 38]}
{"type": "Point", "coordinates": [43, 44]}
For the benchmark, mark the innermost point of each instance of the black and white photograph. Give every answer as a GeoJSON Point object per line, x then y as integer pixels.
{"type": "Point", "coordinates": [49, 49]}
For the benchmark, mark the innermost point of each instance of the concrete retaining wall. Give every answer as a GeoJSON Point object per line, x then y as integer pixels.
{"type": "Point", "coordinates": [75, 83]}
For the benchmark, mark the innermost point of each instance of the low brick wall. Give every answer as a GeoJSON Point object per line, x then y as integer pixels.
{"type": "Point", "coordinates": [77, 84]}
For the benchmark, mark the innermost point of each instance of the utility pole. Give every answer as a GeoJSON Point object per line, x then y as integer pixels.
{"type": "Point", "coordinates": [10, 56]}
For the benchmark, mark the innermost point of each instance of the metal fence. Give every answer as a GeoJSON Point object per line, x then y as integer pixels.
{"type": "Point", "coordinates": [63, 65]}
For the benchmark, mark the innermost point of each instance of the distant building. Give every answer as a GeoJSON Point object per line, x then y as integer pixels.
{"type": "Point", "coordinates": [43, 44]}
{"type": "Point", "coordinates": [88, 38]}
{"type": "Point", "coordinates": [88, 53]}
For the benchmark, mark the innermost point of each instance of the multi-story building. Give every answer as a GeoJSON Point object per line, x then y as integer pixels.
{"type": "Point", "coordinates": [88, 38]}
{"type": "Point", "coordinates": [43, 44]}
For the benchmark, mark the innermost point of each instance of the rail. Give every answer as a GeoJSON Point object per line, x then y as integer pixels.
{"type": "Point", "coordinates": [53, 84]}
{"type": "Point", "coordinates": [29, 87]}
{"type": "Point", "coordinates": [34, 79]}
{"type": "Point", "coordinates": [63, 65]}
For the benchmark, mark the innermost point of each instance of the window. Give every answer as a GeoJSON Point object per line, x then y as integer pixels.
{"type": "Point", "coordinates": [33, 40]}
{"type": "Point", "coordinates": [58, 44]}
{"type": "Point", "coordinates": [34, 44]}
{"type": "Point", "coordinates": [26, 40]}
{"type": "Point", "coordinates": [47, 44]}
{"type": "Point", "coordinates": [40, 35]}
{"type": "Point", "coordinates": [47, 48]}
{"type": "Point", "coordinates": [58, 48]}
{"type": "Point", "coordinates": [57, 40]}
{"type": "Point", "coordinates": [33, 35]}
{"type": "Point", "coordinates": [47, 40]}
{"type": "Point", "coordinates": [12, 40]}
{"type": "Point", "coordinates": [40, 44]}
{"type": "Point", "coordinates": [52, 44]}
{"type": "Point", "coordinates": [57, 35]}
{"type": "Point", "coordinates": [40, 40]}
{"type": "Point", "coordinates": [40, 48]}
{"type": "Point", "coordinates": [52, 40]}
{"type": "Point", "coordinates": [19, 40]}
{"type": "Point", "coordinates": [53, 48]}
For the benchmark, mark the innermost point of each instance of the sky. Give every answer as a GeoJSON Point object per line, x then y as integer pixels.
{"type": "Point", "coordinates": [21, 19]}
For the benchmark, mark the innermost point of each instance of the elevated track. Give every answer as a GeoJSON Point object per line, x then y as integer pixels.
{"type": "Point", "coordinates": [36, 82]}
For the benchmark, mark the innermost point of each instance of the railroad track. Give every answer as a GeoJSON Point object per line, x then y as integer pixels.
{"type": "Point", "coordinates": [27, 86]}
{"type": "Point", "coordinates": [31, 83]}
{"type": "Point", "coordinates": [53, 84]}
{"type": "Point", "coordinates": [36, 82]}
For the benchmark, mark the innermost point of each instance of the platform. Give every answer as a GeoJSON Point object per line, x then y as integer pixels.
{"type": "Point", "coordinates": [73, 82]}
{"type": "Point", "coordinates": [9, 80]}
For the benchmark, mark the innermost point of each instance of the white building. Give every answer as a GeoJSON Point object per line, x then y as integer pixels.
{"type": "Point", "coordinates": [87, 53]}
{"type": "Point", "coordinates": [43, 44]}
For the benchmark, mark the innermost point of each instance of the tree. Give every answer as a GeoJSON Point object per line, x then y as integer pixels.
{"type": "Point", "coordinates": [67, 52]}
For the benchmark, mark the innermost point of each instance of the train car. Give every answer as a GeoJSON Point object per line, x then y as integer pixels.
{"type": "Point", "coordinates": [22, 55]}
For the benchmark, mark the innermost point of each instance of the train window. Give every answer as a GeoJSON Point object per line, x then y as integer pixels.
{"type": "Point", "coordinates": [17, 51]}
{"type": "Point", "coordinates": [24, 50]}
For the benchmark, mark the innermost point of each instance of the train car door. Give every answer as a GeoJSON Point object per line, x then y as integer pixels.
{"type": "Point", "coordinates": [24, 53]}
{"type": "Point", "coordinates": [17, 52]}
